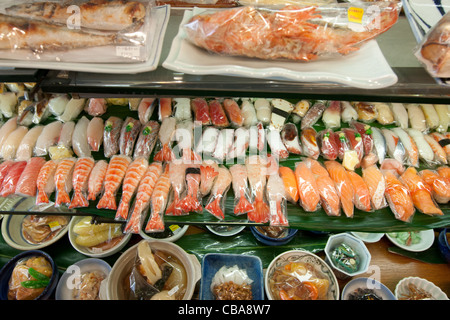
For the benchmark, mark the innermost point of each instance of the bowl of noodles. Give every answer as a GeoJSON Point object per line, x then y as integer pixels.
{"type": "Point", "coordinates": [300, 275]}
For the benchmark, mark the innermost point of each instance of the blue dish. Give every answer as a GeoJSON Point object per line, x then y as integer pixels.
{"type": "Point", "coordinates": [6, 271]}
{"type": "Point", "coordinates": [367, 283]}
{"type": "Point", "coordinates": [444, 245]}
{"type": "Point", "coordinates": [273, 241]}
{"type": "Point", "coordinates": [212, 262]}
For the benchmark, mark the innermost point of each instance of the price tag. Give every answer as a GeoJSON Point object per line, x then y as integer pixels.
{"type": "Point", "coordinates": [54, 225]}
{"type": "Point", "coordinates": [128, 51]}
{"type": "Point", "coordinates": [355, 14]}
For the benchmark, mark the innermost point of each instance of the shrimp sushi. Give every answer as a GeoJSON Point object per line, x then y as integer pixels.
{"type": "Point", "coordinates": [215, 204]}
{"type": "Point", "coordinates": [374, 180]}
{"type": "Point", "coordinates": [145, 109]}
{"type": "Point", "coordinates": [281, 109]}
{"type": "Point", "coordinates": [72, 109]}
{"type": "Point", "coordinates": [217, 114]}
{"type": "Point", "coordinates": [45, 182]}
{"type": "Point", "coordinates": [361, 197]}
{"type": "Point", "coordinates": [133, 176]}
{"type": "Point", "coordinates": [331, 117]}
{"type": "Point", "coordinates": [263, 110]}
{"type": "Point", "coordinates": [431, 116]}
{"type": "Point", "coordinates": [164, 108]}
{"type": "Point", "coordinates": [146, 140]}
{"type": "Point", "coordinates": [80, 143]}
{"type": "Point", "coordinates": [313, 115]}
{"type": "Point", "coordinates": [158, 202]}
{"type": "Point", "coordinates": [289, 136]}
{"type": "Point", "coordinates": [400, 113]}
{"type": "Point", "coordinates": [328, 144]}
{"type": "Point", "coordinates": [440, 186]}
{"type": "Point", "coordinates": [191, 202]}
{"type": "Point", "coordinates": [307, 187]}
{"type": "Point", "coordinates": [240, 186]}
{"type": "Point", "coordinates": [177, 171]}
{"type": "Point", "coordinates": [257, 176]}
{"type": "Point", "coordinates": [115, 173]}
{"type": "Point", "coordinates": [398, 198]}
{"type": "Point", "coordinates": [420, 192]}
{"type": "Point", "coordinates": [416, 117]}
{"type": "Point", "coordinates": [276, 144]}
{"type": "Point", "coordinates": [26, 186]}
{"type": "Point", "coordinates": [276, 195]}
{"type": "Point", "coordinates": [111, 136]}
{"type": "Point", "coordinates": [128, 135]}
{"type": "Point", "coordinates": [165, 135]}
{"type": "Point", "coordinates": [11, 179]}
{"type": "Point", "coordinates": [80, 180]}
{"type": "Point", "coordinates": [410, 146]}
{"type": "Point", "coordinates": [95, 133]}
{"type": "Point", "coordinates": [442, 111]}
{"type": "Point", "coordinates": [224, 143]}
{"type": "Point", "coordinates": [310, 146]}
{"type": "Point", "coordinates": [63, 181]}
{"type": "Point", "coordinates": [425, 151]}
{"type": "Point", "coordinates": [248, 113]}
{"type": "Point", "coordinates": [208, 174]}
{"type": "Point", "coordinates": [233, 112]}
{"type": "Point", "coordinates": [143, 197]}
{"type": "Point", "coordinates": [49, 137]}
{"type": "Point", "coordinates": [184, 136]}
{"type": "Point", "coordinates": [65, 138]}
{"type": "Point", "coordinates": [200, 108]}
{"type": "Point", "coordinates": [96, 178]}
{"type": "Point", "coordinates": [348, 113]}
{"type": "Point", "coordinates": [329, 197]}
{"type": "Point", "coordinates": [343, 186]}
{"type": "Point", "coordinates": [12, 142]}
{"type": "Point", "coordinates": [8, 127]}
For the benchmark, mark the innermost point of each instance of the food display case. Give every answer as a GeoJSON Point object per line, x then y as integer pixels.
{"type": "Point", "coordinates": [407, 83]}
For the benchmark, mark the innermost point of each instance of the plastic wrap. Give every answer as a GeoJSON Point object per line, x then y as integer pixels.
{"type": "Point", "coordinates": [95, 183]}
{"type": "Point", "coordinates": [376, 183]}
{"type": "Point", "coordinates": [329, 144]}
{"type": "Point", "coordinates": [343, 186]}
{"type": "Point", "coordinates": [191, 200]}
{"type": "Point", "coordinates": [276, 145]}
{"type": "Point", "coordinates": [361, 197]}
{"type": "Point", "coordinates": [97, 237]}
{"type": "Point", "coordinates": [63, 181]}
{"type": "Point", "coordinates": [45, 182]}
{"type": "Point", "coordinates": [366, 111]}
{"type": "Point", "coordinates": [77, 31]}
{"type": "Point", "coordinates": [440, 186]}
{"type": "Point", "coordinates": [158, 203]}
{"type": "Point", "coordinates": [128, 135]}
{"type": "Point", "coordinates": [356, 143]}
{"type": "Point", "coordinates": [310, 145]}
{"type": "Point", "coordinates": [87, 285]}
{"type": "Point", "coordinates": [242, 203]}
{"type": "Point", "coordinates": [276, 195]}
{"type": "Point", "coordinates": [111, 136]}
{"type": "Point", "coordinates": [96, 106]}
{"type": "Point", "coordinates": [95, 133]}
{"type": "Point", "coordinates": [26, 186]}
{"type": "Point", "coordinates": [201, 111]}
{"type": "Point", "coordinates": [11, 143]}
{"type": "Point", "coordinates": [290, 137]}
{"type": "Point", "coordinates": [216, 201]}
{"type": "Point", "coordinates": [147, 139]}
{"type": "Point", "coordinates": [290, 184]}
{"type": "Point", "coordinates": [11, 179]}
{"type": "Point", "coordinates": [257, 176]}
{"type": "Point", "coordinates": [425, 151]}
{"type": "Point", "coordinates": [302, 33]}
{"type": "Point", "coordinates": [80, 180]}
{"type": "Point", "coordinates": [307, 187]}
{"type": "Point", "coordinates": [433, 51]}
{"type": "Point", "coordinates": [49, 137]}
{"type": "Point", "coordinates": [72, 109]}
{"type": "Point", "coordinates": [80, 143]}
{"type": "Point", "coordinates": [416, 117]}
{"type": "Point", "coordinates": [331, 117]}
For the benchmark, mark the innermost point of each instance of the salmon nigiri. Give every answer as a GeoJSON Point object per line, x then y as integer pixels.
{"type": "Point", "coordinates": [290, 184]}
{"type": "Point", "coordinates": [133, 176]}
{"type": "Point", "coordinates": [374, 180]}
{"type": "Point", "coordinates": [329, 197]}
{"type": "Point", "coordinates": [96, 178]}
{"type": "Point", "coordinates": [240, 188]}
{"type": "Point", "coordinates": [45, 182]}
{"type": "Point", "coordinates": [361, 197]}
{"type": "Point", "coordinates": [342, 184]}
{"type": "Point", "coordinates": [420, 192]}
{"type": "Point", "coordinates": [257, 176]}
{"type": "Point", "coordinates": [80, 179]}
{"type": "Point", "coordinates": [444, 171]}
{"type": "Point", "coordinates": [63, 181]}
{"type": "Point", "coordinates": [307, 187]}
{"type": "Point", "coordinates": [115, 173]}
{"type": "Point", "coordinates": [398, 197]}
{"type": "Point", "coordinates": [218, 193]}
{"type": "Point", "coordinates": [440, 186]}
{"type": "Point", "coordinates": [26, 186]}
{"type": "Point", "coordinates": [276, 195]}
{"type": "Point", "coordinates": [143, 195]}
{"type": "Point", "coordinates": [158, 203]}
{"type": "Point", "coordinates": [177, 170]}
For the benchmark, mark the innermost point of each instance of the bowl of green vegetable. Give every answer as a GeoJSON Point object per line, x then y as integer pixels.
{"type": "Point", "coordinates": [415, 241]}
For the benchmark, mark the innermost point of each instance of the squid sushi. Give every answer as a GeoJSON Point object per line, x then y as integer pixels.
{"type": "Point", "coordinates": [281, 109]}
{"type": "Point", "coordinates": [128, 135]}
{"type": "Point", "coordinates": [289, 136]}
{"type": "Point", "coordinates": [111, 136]}
{"type": "Point", "coordinates": [442, 111]}
{"type": "Point", "coordinates": [400, 113]}
{"type": "Point", "coordinates": [249, 113]}
{"type": "Point", "coordinates": [263, 110]}
{"type": "Point", "coordinates": [332, 115]}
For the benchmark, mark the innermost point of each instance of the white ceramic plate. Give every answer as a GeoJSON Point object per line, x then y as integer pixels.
{"type": "Point", "coordinates": [368, 237]}
{"type": "Point", "coordinates": [427, 237]}
{"type": "Point", "coordinates": [67, 283]}
{"type": "Point", "coordinates": [177, 233]}
{"type": "Point", "coordinates": [159, 19]}
{"type": "Point", "coordinates": [401, 289]}
{"type": "Point", "coordinates": [366, 68]}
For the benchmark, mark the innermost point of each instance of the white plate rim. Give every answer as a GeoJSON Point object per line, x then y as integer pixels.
{"type": "Point", "coordinates": [427, 237]}
{"type": "Point", "coordinates": [377, 236]}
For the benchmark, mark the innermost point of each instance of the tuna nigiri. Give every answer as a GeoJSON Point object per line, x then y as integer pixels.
{"type": "Point", "coordinates": [177, 170]}
{"type": "Point", "coordinates": [158, 203]}
{"type": "Point", "coordinates": [111, 136]}
{"type": "Point", "coordinates": [12, 142]}
{"type": "Point", "coordinates": [192, 200]}
{"type": "Point", "coordinates": [420, 192]}
{"type": "Point", "coordinates": [343, 186]}
{"type": "Point", "coordinates": [239, 178]}
{"type": "Point", "coordinates": [80, 143]}
{"type": "Point", "coordinates": [146, 141]}
{"type": "Point", "coordinates": [276, 195]}
{"type": "Point", "coordinates": [307, 187]}
{"type": "Point", "coordinates": [26, 186]}
{"type": "Point", "coordinates": [49, 137]}
{"type": "Point", "coordinates": [80, 180]}
{"type": "Point", "coordinates": [201, 111]}
{"type": "Point", "coordinates": [115, 173]}
{"type": "Point", "coordinates": [217, 114]}
{"type": "Point", "coordinates": [290, 184]}
{"type": "Point", "coordinates": [374, 180]}
{"type": "Point", "coordinates": [143, 196]}
{"type": "Point", "coordinates": [96, 178]}
{"type": "Point", "coordinates": [128, 135]}
{"type": "Point", "coordinates": [290, 138]}
{"type": "Point", "coordinates": [308, 137]}
{"type": "Point", "coordinates": [218, 193]}
{"type": "Point", "coordinates": [45, 182]}
{"type": "Point", "coordinates": [233, 112]}
{"type": "Point", "coordinates": [63, 181]}
{"type": "Point", "coordinates": [398, 197]}
{"type": "Point", "coordinates": [257, 176]}
{"type": "Point", "coordinates": [133, 176]}
{"type": "Point", "coordinates": [95, 133]}
{"type": "Point", "coordinates": [361, 197]}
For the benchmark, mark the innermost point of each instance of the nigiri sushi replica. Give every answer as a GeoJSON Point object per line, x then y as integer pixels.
{"type": "Point", "coordinates": [80, 181]}
{"type": "Point", "coordinates": [111, 136]}
{"type": "Point", "coordinates": [191, 202]}
{"type": "Point", "coordinates": [45, 182]}
{"type": "Point", "coordinates": [146, 140]}
{"type": "Point", "coordinates": [217, 114]}
{"type": "Point", "coordinates": [158, 203]}
{"type": "Point", "coordinates": [257, 176]}
{"type": "Point", "coordinates": [290, 138]}
{"type": "Point", "coordinates": [177, 171]}
{"type": "Point", "coordinates": [276, 195]}
{"type": "Point", "coordinates": [241, 191]}
{"type": "Point", "coordinates": [26, 186]}
{"type": "Point", "coordinates": [331, 117]}
{"type": "Point", "coordinates": [128, 135]}
{"type": "Point", "coordinates": [200, 108]}
{"type": "Point", "coordinates": [145, 109]}
{"type": "Point", "coordinates": [63, 181]}
{"type": "Point", "coordinates": [215, 204]}
{"type": "Point", "coordinates": [281, 110]}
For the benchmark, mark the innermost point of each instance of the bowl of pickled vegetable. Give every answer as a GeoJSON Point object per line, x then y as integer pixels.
{"type": "Point", "coordinates": [347, 255]}
{"type": "Point", "coordinates": [31, 275]}
{"type": "Point", "coordinates": [366, 289]}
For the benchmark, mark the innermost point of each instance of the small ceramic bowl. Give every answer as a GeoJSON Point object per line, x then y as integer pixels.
{"type": "Point", "coordinates": [426, 241]}
{"type": "Point", "coordinates": [261, 237]}
{"type": "Point", "coordinates": [213, 262]}
{"type": "Point", "coordinates": [94, 253]}
{"type": "Point", "coordinates": [67, 284]}
{"type": "Point", "coordinates": [358, 247]}
{"type": "Point", "coordinates": [444, 245]}
{"type": "Point", "coordinates": [225, 230]}
{"type": "Point", "coordinates": [376, 287]}
{"type": "Point", "coordinates": [171, 234]}
{"type": "Point", "coordinates": [402, 288]}
{"type": "Point", "coordinates": [368, 237]}
{"type": "Point", "coordinates": [6, 271]}
{"type": "Point", "coordinates": [321, 267]}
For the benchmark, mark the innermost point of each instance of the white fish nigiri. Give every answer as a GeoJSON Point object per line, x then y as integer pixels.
{"type": "Point", "coordinates": [57, 104]}
{"type": "Point", "coordinates": [400, 115]}
{"type": "Point", "coordinates": [442, 112]}
{"type": "Point", "coordinates": [416, 117]}
{"type": "Point", "coordinates": [431, 116]}
{"type": "Point", "coordinates": [8, 103]}
{"type": "Point", "coordinates": [95, 133]}
{"type": "Point", "coordinates": [182, 109]}
{"type": "Point", "coordinates": [224, 142]}
{"type": "Point", "coordinates": [331, 117]}
{"type": "Point", "coordinates": [25, 150]}
{"type": "Point", "coordinates": [348, 112]}
{"type": "Point", "coordinates": [73, 108]}
{"type": "Point", "coordinates": [410, 146]}
{"type": "Point", "coordinates": [240, 144]}
{"type": "Point", "coordinates": [65, 138]}
{"type": "Point", "coordinates": [49, 137]}
{"type": "Point", "coordinates": [425, 151]}
{"type": "Point", "coordinates": [9, 147]}
{"type": "Point", "coordinates": [263, 110]}
{"type": "Point", "coordinates": [80, 143]}
{"type": "Point", "coordinates": [8, 127]}
{"type": "Point", "coordinates": [249, 113]}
